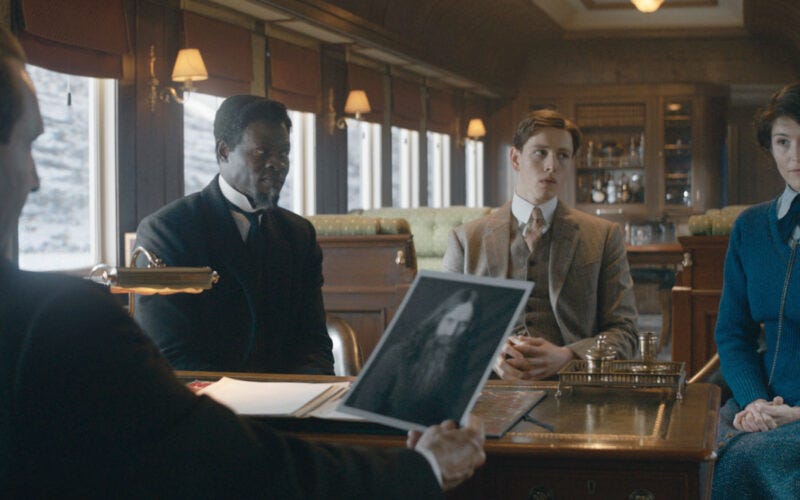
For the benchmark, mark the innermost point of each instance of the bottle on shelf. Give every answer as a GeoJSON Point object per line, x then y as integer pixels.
{"type": "Point", "coordinates": [625, 189]}
{"type": "Point", "coordinates": [641, 147]}
{"type": "Point", "coordinates": [589, 153]}
{"type": "Point", "coordinates": [611, 190]}
{"type": "Point", "coordinates": [633, 153]}
{"type": "Point", "coordinates": [598, 193]}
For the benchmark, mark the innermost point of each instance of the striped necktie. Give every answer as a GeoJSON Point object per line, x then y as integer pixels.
{"type": "Point", "coordinates": [534, 228]}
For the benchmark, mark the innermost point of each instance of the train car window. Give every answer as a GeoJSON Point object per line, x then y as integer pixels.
{"type": "Point", "coordinates": [200, 164]}
{"type": "Point", "coordinates": [438, 170]}
{"type": "Point", "coordinates": [363, 165]}
{"type": "Point", "coordinates": [474, 170]}
{"type": "Point", "coordinates": [70, 223]}
{"type": "Point", "coordinates": [199, 158]}
{"type": "Point", "coordinates": [405, 168]}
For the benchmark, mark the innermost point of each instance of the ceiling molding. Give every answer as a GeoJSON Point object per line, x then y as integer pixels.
{"type": "Point", "coordinates": [657, 33]}
{"type": "Point", "coordinates": [602, 15]}
{"type": "Point", "coordinates": [626, 4]}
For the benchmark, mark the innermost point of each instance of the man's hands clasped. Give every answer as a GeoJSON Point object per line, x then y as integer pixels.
{"type": "Point", "coordinates": [530, 358]}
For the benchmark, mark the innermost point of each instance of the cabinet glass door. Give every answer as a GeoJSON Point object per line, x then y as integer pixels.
{"type": "Point", "coordinates": [611, 170]}
{"type": "Point", "coordinates": [678, 152]}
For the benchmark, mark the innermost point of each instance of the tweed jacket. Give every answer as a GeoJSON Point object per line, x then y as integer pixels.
{"type": "Point", "coordinates": [590, 285]}
{"type": "Point", "coordinates": [89, 408]}
{"type": "Point", "coordinates": [221, 329]}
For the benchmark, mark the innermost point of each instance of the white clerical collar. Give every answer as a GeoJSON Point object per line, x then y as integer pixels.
{"type": "Point", "coordinates": [785, 201]}
{"type": "Point", "coordinates": [522, 208]}
{"type": "Point", "coordinates": [234, 196]}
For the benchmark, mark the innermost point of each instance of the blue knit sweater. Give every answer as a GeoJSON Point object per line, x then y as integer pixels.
{"type": "Point", "coordinates": [755, 272]}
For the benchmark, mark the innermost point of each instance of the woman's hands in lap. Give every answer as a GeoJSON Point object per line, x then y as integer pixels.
{"type": "Point", "coordinates": [761, 415]}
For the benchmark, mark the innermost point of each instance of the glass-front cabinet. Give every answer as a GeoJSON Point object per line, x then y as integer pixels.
{"type": "Point", "coordinates": [677, 152]}
{"type": "Point", "coordinates": [651, 153]}
{"type": "Point", "coordinates": [611, 169]}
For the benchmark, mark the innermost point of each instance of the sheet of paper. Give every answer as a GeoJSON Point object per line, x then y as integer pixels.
{"type": "Point", "coordinates": [263, 398]}
{"type": "Point", "coordinates": [329, 409]}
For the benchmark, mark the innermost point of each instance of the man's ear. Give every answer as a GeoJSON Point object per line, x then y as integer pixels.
{"type": "Point", "coordinates": [222, 151]}
{"type": "Point", "coordinates": [514, 157]}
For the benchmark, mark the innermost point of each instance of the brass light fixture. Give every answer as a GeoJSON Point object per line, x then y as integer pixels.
{"type": "Point", "coordinates": [356, 105]}
{"type": "Point", "coordinates": [155, 279]}
{"type": "Point", "coordinates": [647, 6]}
{"type": "Point", "coordinates": [189, 67]}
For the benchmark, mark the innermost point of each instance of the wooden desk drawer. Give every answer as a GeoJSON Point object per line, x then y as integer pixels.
{"type": "Point", "coordinates": [547, 484]}
{"type": "Point", "coordinates": [586, 480]}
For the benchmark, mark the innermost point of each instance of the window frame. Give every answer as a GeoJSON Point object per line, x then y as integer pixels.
{"type": "Point", "coordinates": [103, 164]}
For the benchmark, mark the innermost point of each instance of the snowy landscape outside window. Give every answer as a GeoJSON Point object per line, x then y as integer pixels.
{"type": "Point", "coordinates": [405, 168]}
{"type": "Point", "coordinates": [474, 167]}
{"type": "Point", "coordinates": [200, 161]}
{"type": "Point", "coordinates": [438, 170]}
{"type": "Point", "coordinates": [70, 222]}
{"type": "Point", "coordinates": [363, 165]}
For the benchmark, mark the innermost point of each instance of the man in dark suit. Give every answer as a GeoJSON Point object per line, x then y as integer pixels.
{"type": "Point", "coordinates": [90, 408]}
{"type": "Point", "coordinates": [265, 314]}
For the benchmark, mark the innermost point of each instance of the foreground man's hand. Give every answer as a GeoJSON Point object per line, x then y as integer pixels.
{"type": "Point", "coordinates": [457, 451]}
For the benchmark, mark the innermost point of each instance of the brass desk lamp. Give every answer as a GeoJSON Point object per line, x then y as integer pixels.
{"type": "Point", "coordinates": [154, 279]}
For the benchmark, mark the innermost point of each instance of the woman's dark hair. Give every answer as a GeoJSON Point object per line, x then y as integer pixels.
{"type": "Point", "coordinates": [785, 102]}
{"type": "Point", "coordinates": [546, 118]}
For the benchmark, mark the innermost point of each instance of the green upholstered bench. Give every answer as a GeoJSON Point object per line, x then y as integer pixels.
{"type": "Point", "coordinates": [430, 228]}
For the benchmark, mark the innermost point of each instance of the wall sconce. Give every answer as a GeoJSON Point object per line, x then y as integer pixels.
{"type": "Point", "coordinates": [476, 129]}
{"type": "Point", "coordinates": [189, 67]}
{"type": "Point", "coordinates": [647, 6]}
{"type": "Point", "coordinates": [154, 279]}
{"type": "Point", "coordinates": [357, 104]}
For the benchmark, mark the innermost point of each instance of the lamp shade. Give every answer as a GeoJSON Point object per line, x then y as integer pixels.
{"type": "Point", "coordinates": [357, 103]}
{"type": "Point", "coordinates": [647, 6]}
{"type": "Point", "coordinates": [476, 129]}
{"type": "Point", "coordinates": [189, 66]}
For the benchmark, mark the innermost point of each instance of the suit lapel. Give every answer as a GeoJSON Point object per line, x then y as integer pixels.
{"type": "Point", "coordinates": [278, 259]}
{"type": "Point", "coordinates": [562, 249]}
{"type": "Point", "coordinates": [226, 241]}
{"type": "Point", "coordinates": [496, 241]}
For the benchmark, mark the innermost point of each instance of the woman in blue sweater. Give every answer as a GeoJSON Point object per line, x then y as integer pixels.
{"type": "Point", "coordinates": [759, 454]}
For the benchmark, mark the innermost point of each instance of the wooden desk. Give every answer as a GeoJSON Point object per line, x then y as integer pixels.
{"type": "Point", "coordinates": [695, 300]}
{"type": "Point", "coordinates": [666, 254]}
{"type": "Point", "coordinates": [603, 444]}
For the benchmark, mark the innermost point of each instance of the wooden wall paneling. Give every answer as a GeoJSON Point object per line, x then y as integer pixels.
{"type": "Point", "coordinates": [386, 143]}
{"type": "Point", "coordinates": [422, 156]}
{"type": "Point", "coordinates": [159, 134]}
{"type": "Point", "coordinates": [127, 219]}
{"type": "Point", "coordinates": [331, 180]}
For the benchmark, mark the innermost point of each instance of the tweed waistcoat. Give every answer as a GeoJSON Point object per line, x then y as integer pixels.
{"type": "Point", "coordinates": [538, 318]}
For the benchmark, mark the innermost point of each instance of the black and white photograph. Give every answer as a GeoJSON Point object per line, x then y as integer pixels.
{"type": "Point", "coordinates": [437, 352]}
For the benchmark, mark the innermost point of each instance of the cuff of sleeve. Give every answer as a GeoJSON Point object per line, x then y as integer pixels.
{"type": "Point", "coordinates": [437, 471]}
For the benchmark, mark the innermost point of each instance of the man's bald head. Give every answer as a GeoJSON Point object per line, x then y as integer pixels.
{"type": "Point", "coordinates": [11, 108]}
{"type": "Point", "coordinates": [20, 125]}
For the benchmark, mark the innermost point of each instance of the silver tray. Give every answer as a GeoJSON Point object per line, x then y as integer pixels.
{"type": "Point", "coordinates": [626, 374]}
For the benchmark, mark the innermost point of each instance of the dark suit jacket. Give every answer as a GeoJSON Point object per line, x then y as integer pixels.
{"type": "Point", "coordinates": [90, 408]}
{"type": "Point", "coordinates": [220, 329]}
{"type": "Point", "coordinates": [590, 285]}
